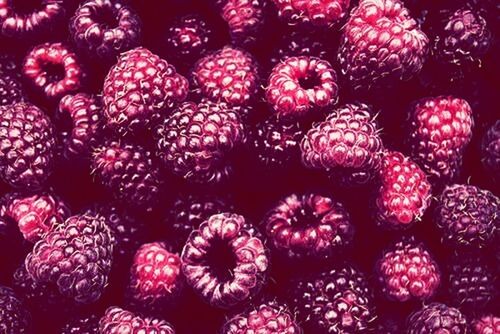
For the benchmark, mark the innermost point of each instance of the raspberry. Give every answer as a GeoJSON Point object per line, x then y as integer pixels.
{"type": "Point", "coordinates": [10, 64]}
{"type": "Point", "coordinates": [440, 129]}
{"type": "Point", "coordinates": [27, 146]}
{"type": "Point", "coordinates": [487, 324]}
{"type": "Point", "coordinates": [299, 85]}
{"type": "Point", "coordinates": [335, 301]}
{"type": "Point", "coordinates": [311, 226]}
{"type": "Point", "coordinates": [316, 12]}
{"type": "Point", "coordinates": [14, 317]}
{"type": "Point", "coordinates": [347, 143]}
{"type": "Point", "coordinates": [140, 90]}
{"type": "Point", "coordinates": [82, 325]}
{"type": "Point", "coordinates": [225, 261]}
{"type": "Point", "coordinates": [381, 44]}
{"type": "Point", "coordinates": [11, 90]}
{"type": "Point", "coordinates": [197, 140]}
{"type": "Point", "coordinates": [404, 193]}
{"type": "Point", "coordinates": [468, 216]}
{"type": "Point", "coordinates": [84, 113]}
{"type": "Point", "coordinates": [407, 271]}
{"type": "Point", "coordinates": [105, 28]}
{"type": "Point", "coordinates": [130, 172]}
{"type": "Point", "coordinates": [437, 318]}
{"type": "Point", "coordinates": [76, 257]}
{"type": "Point", "coordinates": [228, 75]}
{"type": "Point", "coordinates": [118, 321]}
{"type": "Point", "coordinates": [266, 318]}
{"type": "Point", "coordinates": [491, 149]}
{"type": "Point", "coordinates": [155, 277]}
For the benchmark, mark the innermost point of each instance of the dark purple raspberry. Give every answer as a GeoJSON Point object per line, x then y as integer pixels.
{"type": "Point", "coordinates": [486, 324]}
{"type": "Point", "coordinates": [105, 28]}
{"type": "Point", "coordinates": [407, 271]}
{"type": "Point", "coordinates": [130, 172]}
{"type": "Point", "coordinates": [491, 149]}
{"type": "Point", "coordinates": [321, 13]}
{"type": "Point", "coordinates": [437, 318]}
{"type": "Point", "coordinates": [53, 70]}
{"type": "Point", "coordinates": [83, 112]}
{"type": "Point", "coordinates": [14, 317]}
{"type": "Point", "coordinates": [311, 226]}
{"type": "Point", "coordinates": [225, 261]}
{"type": "Point", "coordinates": [346, 144]}
{"type": "Point", "coordinates": [11, 90]}
{"type": "Point", "coordinates": [140, 90]}
{"type": "Point", "coordinates": [27, 146]}
{"type": "Point", "coordinates": [468, 216]}
{"type": "Point", "coordinates": [266, 318]}
{"type": "Point", "coordinates": [196, 142]}
{"type": "Point", "coordinates": [76, 256]}
{"type": "Point", "coordinates": [120, 321]}
{"type": "Point", "coordinates": [10, 64]}
{"type": "Point", "coordinates": [381, 44]}
{"type": "Point", "coordinates": [228, 75]}
{"type": "Point", "coordinates": [277, 144]}
{"type": "Point", "coordinates": [88, 324]}
{"type": "Point", "coordinates": [334, 302]}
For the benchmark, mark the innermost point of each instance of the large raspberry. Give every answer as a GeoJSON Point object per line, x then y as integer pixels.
{"type": "Point", "coordinates": [14, 317]}
{"type": "Point", "coordinates": [197, 140]}
{"type": "Point", "coordinates": [316, 12]}
{"type": "Point", "coordinates": [440, 129]}
{"type": "Point", "coordinates": [120, 321]}
{"type": "Point", "coordinates": [225, 260]}
{"type": "Point", "coordinates": [491, 149]}
{"type": "Point", "coordinates": [11, 90]}
{"type": "Point", "coordinates": [140, 90]}
{"type": "Point", "coordinates": [381, 44]}
{"type": "Point", "coordinates": [76, 257]}
{"type": "Point", "coordinates": [437, 318]}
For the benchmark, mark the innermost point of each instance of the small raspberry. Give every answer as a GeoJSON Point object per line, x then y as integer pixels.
{"type": "Point", "coordinates": [437, 318]}
{"type": "Point", "coordinates": [487, 324]}
{"type": "Point", "coordinates": [316, 12]}
{"type": "Point", "coordinates": [119, 321]}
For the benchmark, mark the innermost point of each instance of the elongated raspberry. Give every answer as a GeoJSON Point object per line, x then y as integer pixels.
{"type": "Point", "coordinates": [437, 318]}
{"type": "Point", "coordinates": [118, 321]}
{"type": "Point", "coordinates": [316, 12]}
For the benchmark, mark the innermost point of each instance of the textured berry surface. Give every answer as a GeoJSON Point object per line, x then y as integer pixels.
{"type": "Point", "coordinates": [437, 318]}
{"type": "Point", "coordinates": [487, 324]}
{"type": "Point", "coordinates": [316, 12]}
{"type": "Point", "coordinates": [118, 321]}
{"type": "Point", "coordinates": [82, 325]}
{"type": "Point", "coordinates": [11, 90]}
{"type": "Point", "coordinates": [491, 149]}
{"type": "Point", "coordinates": [14, 317]}
{"type": "Point", "coordinates": [245, 19]}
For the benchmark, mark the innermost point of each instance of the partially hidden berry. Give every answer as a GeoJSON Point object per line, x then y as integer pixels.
{"type": "Point", "coordinates": [117, 321]}
{"type": "Point", "coordinates": [14, 316]}
{"type": "Point", "coordinates": [437, 318]}
{"type": "Point", "coordinates": [321, 13]}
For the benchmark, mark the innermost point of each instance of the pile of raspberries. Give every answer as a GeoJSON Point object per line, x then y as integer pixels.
{"type": "Point", "coordinates": [249, 167]}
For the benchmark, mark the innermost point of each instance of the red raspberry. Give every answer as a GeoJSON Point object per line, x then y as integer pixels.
{"type": "Point", "coordinates": [487, 324]}
{"type": "Point", "coordinates": [316, 12]}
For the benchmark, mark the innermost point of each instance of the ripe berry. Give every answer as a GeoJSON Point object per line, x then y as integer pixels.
{"type": "Point", "coordinates": [14, 317]}
{"type": "Point", "coordinates": [317, 12]}
{"type": "Point", "coordinates": [11, 90]}
{"type": "Point", "coordinates": [117, 321]}
{"type": "Point", "coordinates": [437, 318]}
{"type": "Point", "coordinates": [487, 324]}
{"type": "Point", "coordinates": [491, 149]}
{"type": "Point", "coordinates": [82, 325]}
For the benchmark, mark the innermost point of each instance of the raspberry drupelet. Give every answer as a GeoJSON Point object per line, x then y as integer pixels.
{"type": "Point", "coordinates": [320, 13]}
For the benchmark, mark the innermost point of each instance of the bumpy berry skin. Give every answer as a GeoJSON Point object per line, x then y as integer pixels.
{"type": "Point", "coordinates": [14, 317]}
{"type": "Point", "coordinates": [404, 192]}
{"type": "Point", "coordinates": [155, 277]}
{"type": "Point", "coordinates": [491, 149]}
{"type": "Point", "coordinates": [440, 129]}
{"type": "Point", "coordinates": [346, 143]}
{"type": "Point", "coordinates": [487, 324]}
{"type": "Point", "coordinates": [82, 325]}
{"type": "Point", "coordinates": [38, 70]}
{"type": "Point", "coordinates": [118, 321]}
{"type": "Point", "coordinates": [289, 96]}
{"type": "Point", "coordinates": [105, 28]}
{"type": "Point", "coordinates": [27, 146]}
{"type": "Point", "coordinates": [10, 64]}
{"type": "Point", "coordinates": [311, 226]}
{"type": "Point", "coordinates": [317, 12]}
{"type": "Point", "coordinates": [85, 114]}
{"type": "Point", "coordinates": [468, 216]}
{"type": "Point", "coordinates": [197, 140]}
{"type": "Point", "coordinates": [76, 256]}
{"type": "Point", "coordinates": [11, 90]}
{"type": "Point", "coordinates": [266, 318]}
{"type": "Point", "coordinates": [37, 214]}
{"type": "Point", "coordinates": [381, 44]}
{"type": "Point", "coordinates": [437, 318]}
{"type": "Point", "coordinates": [235, 236]}
{"type": "Point", "coordinates": [407, 271]}
{"type": "Point", "coordinates": [228, 75]}
{"type": "Point", "coordinates": [140, 90]}
{"type": "Point", "coordinates": [130, 172]}
{"type": "Point", "coordinates": [336, 301]}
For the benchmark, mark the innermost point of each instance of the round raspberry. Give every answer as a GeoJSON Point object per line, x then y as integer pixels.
{"type": "Point", "coordinates": [311, 226]}
{"type": "Point", "coordinates": [27, 146]}
{"type": "Point", "coordinates": [408, 271]}
{"type": "Point", "coordinates": [381, 44]}
{"type": "Point", "coordinates": [317, 12]}
{"type": "Point", "coordinates": [14, 317]}
{"type": "Point", "coordinates": [53, 70]}
{"type": "Point", "coordinates": [196, 142]}
{"type": "Point", "coordinates": [118, 321]}
{"type": "Point", "coordinates": [267, 318]}
{"type": "Point", "coordinates": [82, 325]}
{"type": "Point", "coordinates": [334, 302]}
{"type": "Point", "coordinates": [440, 129]}
{"type": "Point", "coordinates": [11, 90]}
{"type": "Point", "coordinates": [437, 318]}
{"type": "Point", "coordinates": [299, 85]}
{"type": "Point", "coordinates": [468, 216]}
{"type": "Point", "coordinates": [155, 277]}
{"type": "Point", "coordinates": [404, 193]}
{"type": "Point", "coordinates": [229, 75]}
{"type": "Point", "coordinates": [140, 90]}
{"type": "Point", "coordinates": [105, 28]}
{"type": "Point", "coordinates": [225, 261]}
{"type": "Point", "coordinates": [130, 172]}
{"type": "Point", "coordinates": [76, 257]}
{"type": "Point", "coordinates": [347, 144]}
{"type": "Point", "coordinates": [491, 149]}
{"type": "Point", "coordinates": [487, 324]}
